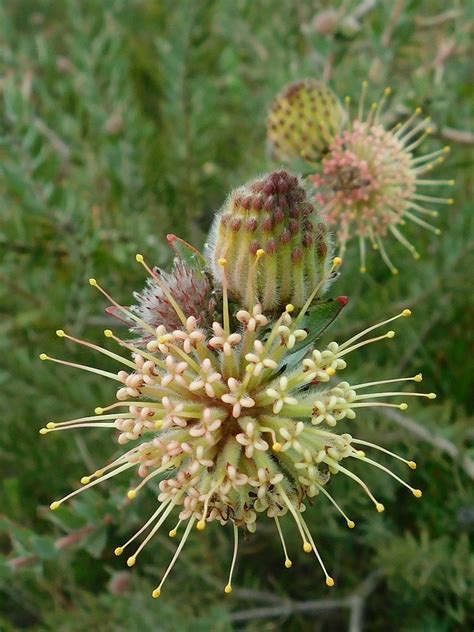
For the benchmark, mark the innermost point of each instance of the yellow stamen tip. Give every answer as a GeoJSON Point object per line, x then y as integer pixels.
{"type": "Point", "coordinates": [380, 508]}
{"type": "Point", "coordinates": [390, 334]}
{"type": "Point", "coordinates": [288, 563]}
{"type": "Point", "coordinates": [412, 465]}
{"type": "Point", "coordinates": [403, 406]}
{"type": "Point", "coordinates": [418, 110]}
{"type": "Point", "coordinates": [406, 312]}
{"type": "Point", "coordinates": [337, 261]}
{"type": "Point", "coordinates": [260, 253]}
{"type": "Point", "coordinates": [388, 90]}
{"type": "Point", "coordinates": [108, 333]}
{"type": "Point", "coordinates": [156, 593]}
{"type": "Point", "coordinates": [418, 377]}
{"type": "Point", "coordinates": [201, 525]}
{"type": "Point", "coordinates": [289, 308]}
{"type": "Point", "coordinates": [118, 551]}
{"type": "Point", "coordinates": [417, 493]}
{"type": "Point", "coordinates": [363, 269]}
{"type": "Point", "coordinates": [85, 480]}
{"type": "Point", "coordinates": [374, 105]}
{"type": "Point", "coordinates": [429, 130]}
{"type": "Point", "coordinates": [228, 589]}
{"type": "Point", "coordinates": [53, 506]}
{"type": "Point", "coordinates": [329, 581]}
{"type": "Point", "coordinates": [365, 84]}
{"type": "Point", "coordinates": [93, 282]}
{"type": "Point", "coordinates": [98, 473]}
{"type": "Point", "coordinates": [351, 524]}
{"type": "Point", "coordinates": [347, 99]}
{"type": "Point", "coordinates": [131, 494]}
{"type": "Point", "coordinates": [447, 149]}
{"type": "Point", "coordinates": [431, 395]}
{"type": "Point", "coordinates": [60, 333]}
{"type": "Point", "coordinates": [395, 271]}
{"type": "Point", "coordinates": [451, 182]}
{"type": "Point", "coordinates": [139, 258]}
{"type": "Point", "coordinates": [307, 548]}
{"type": "Point", "coordinates": [131, 561]}
{"type": "Point", "coordinates": [98, 410]}
{"type": "Point", "coordinates": [450, 201]}
{"type": "Point", "coordinates": [276, 447]}
{"type": "Point", "coordinates": [361, 453]}
{"type": "Point", "coordinates": [158, 424]}
{"type": "Point", "coordinates": [50, 425]}
{"type": "Point", "coordinates": [43, 356]}
{"type": "Point", "coordinates": [330, 371]}
{"type": "Point", "coordinates": [43, 431]}
{"type": "Point", "coordinates": [222, 261]}
{"type": "Point", "coordinates": [173, 533]}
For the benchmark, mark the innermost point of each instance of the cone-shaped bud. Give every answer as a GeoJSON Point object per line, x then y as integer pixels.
{"type": "Point", "coordinates": [273, 242]}
{"type": "Point", "coordinates": [303, 120]}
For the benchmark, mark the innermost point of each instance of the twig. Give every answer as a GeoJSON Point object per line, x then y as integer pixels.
{"type": "Point", "coordinates": [460, 136]}
{"type": "Point", "coordinates": [437, 20]}
{"type": "Point", "coordinates": [354, 603]}
{"type": "Point", "coordinates": [443, 444]}
{"type": "Point", "coordinates": [394, 20]}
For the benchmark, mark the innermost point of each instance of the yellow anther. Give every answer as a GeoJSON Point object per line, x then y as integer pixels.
{"type": "Point", "coordinates": [118, 551]}
{"type": "Point", "coordinates": [374, 105]}
{"type": "Point", "coordinates": [50, 425]}
{"type": "Point", "coordinates": [336, 262]}
{"type": "Point", "coordinates": [43, 356]}
{"type": "Point", "coordinates": [347, 99]}
{"type": "Point", "coordinates": [158, 424]}
{"type": "Point", "coordinates": [431, 395]}
{"type": "Point", "coordinates": [412, 465]}
{"type": "Point", "coordinates": [351, 524]}
{"type": "Point", "coordinates": [361, 453]}
{"type": "Point", "coordinates": [60, 333]}
{"type": "Point", "coordinates": [108, 333]}
{"type": "Point", "coordinates": [98, 410]}
{"type": "Point", "coordinates": [365, 84]}
{"type": "Point", "coordinates": [53, 506]}
{"type": "Point", "coordinates": [228, 589]}
{"type": "Point", "coordinates": [43, 431]}
{"type": "Point", "coordinates": [418, 110]}
{"type": "Point", "coordinates": [131, 494]}
{"type": "Point", "coordinates": [418, 377]}
{"type": "Point", "coordinates": [98, 473]}
{"type": "Point", "coordinates": [450, 201]}
{"type": "Point", "coordinates": [276, 447]}
{"type": "Point", "coordinates": [390, 334]}
{"type": "Point", "coordinates": [131, 561]}
{"type": "Point", "coordinates": [201, 525]}
{"type": "Point", "coordinates": [329, 581]}
{"type": "Point", "coordinates": [222, 261]}
{"type": "Point", "coordinates": [85, 480]}
{"type": "Point", "coordinates": [330, 371]}
{"type": "Point", "coordinates": [156, 593]}
{"type": "Point", "coordinates": [289, 308]}
{"type": "Point", "coordinates": [363, 269]}
{"type": "Point", "coordinates": [173, 533]}
{"type": "Point", "coordinates": [417, 493]}
{"type": "Point", "coordinates": [379, 507]}
{"type": "Point", "coordinates": [307, 548]}
{"type": "Point", "coordinates": [429, 130]}
{"type": "Point", "coordinates": [139, 258]}
{"type": "Point", "coordinates": [260, 252]}
{"type": "Point", "coordinates": [388, 90]}
{"type": "Point", "coordinates": [451, 182]}
{"type": "Point", "coordinates": [406, 312]}
{"type": "Point", "coordinates": [288, 563]}
{"type": "Point", "coordinates": [403, 406]}
{"type": "Point", "coordinates": [93, 282]}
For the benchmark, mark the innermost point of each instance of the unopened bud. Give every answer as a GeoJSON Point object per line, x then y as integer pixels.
{"type": "Point", "coordinates": [275, 246]}
{"type": "Point", "coordinates": [303, 120]}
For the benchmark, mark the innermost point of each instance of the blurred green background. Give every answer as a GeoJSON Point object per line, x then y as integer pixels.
{"type": "Point", "coordinates": [124, 120]}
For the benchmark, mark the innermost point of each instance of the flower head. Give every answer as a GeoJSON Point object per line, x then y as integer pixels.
{"type": "Point", "coordinates": [275, 244]}
{"type": "Point", "coordinates": [231, 434]}
{"type": "Point", "coordinates": [369, 179]}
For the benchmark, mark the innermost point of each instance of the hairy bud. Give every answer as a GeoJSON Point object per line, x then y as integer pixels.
{"type": "Point", "coordinates": [303, 120]}
{"type": "Point", "coordinates": [273, 242]}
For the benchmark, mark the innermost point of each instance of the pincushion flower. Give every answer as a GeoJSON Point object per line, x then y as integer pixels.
{"type": "Point", "coordinates": [238, 421]}
{"type": "Point", "coordinates": [369, 182]}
